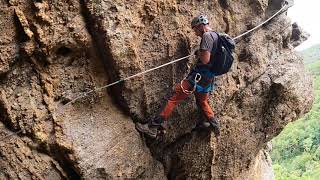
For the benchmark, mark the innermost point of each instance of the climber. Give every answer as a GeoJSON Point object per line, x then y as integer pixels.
{"type": "Point", "coordinates": [199, 81]}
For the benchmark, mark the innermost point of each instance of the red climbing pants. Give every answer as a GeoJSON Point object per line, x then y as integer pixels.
{"type": "Point", "coordinates": [179, 95]}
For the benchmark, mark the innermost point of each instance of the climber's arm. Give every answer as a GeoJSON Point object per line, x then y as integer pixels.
{"type": "Point", "coordinates": [204, 56]}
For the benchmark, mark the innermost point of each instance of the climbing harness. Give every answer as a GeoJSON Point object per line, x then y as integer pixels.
{"type": "Point", "coordinates": [197, 78]}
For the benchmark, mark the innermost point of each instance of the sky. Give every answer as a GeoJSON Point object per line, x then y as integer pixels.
{"type": "Point", "coordinates": [307, 14]}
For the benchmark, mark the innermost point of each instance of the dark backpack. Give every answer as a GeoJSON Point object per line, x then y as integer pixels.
{"type": "Point", "coordinates": [222, 58]}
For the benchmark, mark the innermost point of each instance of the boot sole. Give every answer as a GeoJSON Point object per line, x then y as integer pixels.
{"type": "Point", "coordinates": [216, 131]}
{"type": "Point", "coordinates": [154, 136]}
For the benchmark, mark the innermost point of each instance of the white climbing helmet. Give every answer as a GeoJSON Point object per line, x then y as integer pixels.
{"type": "Point", "coordinates": [199, 20]}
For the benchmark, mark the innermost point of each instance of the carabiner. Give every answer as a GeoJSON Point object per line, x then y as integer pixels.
{"type": "Point", "coordinates": [197, 78]}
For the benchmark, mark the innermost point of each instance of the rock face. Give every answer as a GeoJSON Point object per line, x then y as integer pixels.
{"type": "Point", "coordinates": [262, 168]}
{"type": "Point", "coordinates": [55, 51]}
{"type": "Point", "coordinates": [54, 62]}
{"type": "Point", "coordinates": [20, 159]}
{"type": "Point", "coordinates": [298, 35]}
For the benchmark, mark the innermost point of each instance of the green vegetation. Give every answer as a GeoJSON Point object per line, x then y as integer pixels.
{"type": "Point", "coordinates": [296, 151]}
{"type": "Point", "coordinates": [311, 54]}
{"type": "Point", "coordinates": [314, 68]}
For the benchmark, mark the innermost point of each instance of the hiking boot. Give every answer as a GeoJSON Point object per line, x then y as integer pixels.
{"type": "Point", "coordinates": [203, 125]}
{"type": "Point", "coordinates": [155, 127]}
{"type": "Point", "coordinates": [146, 129]}
{"type": "Point", "coordinates": [214, 126]}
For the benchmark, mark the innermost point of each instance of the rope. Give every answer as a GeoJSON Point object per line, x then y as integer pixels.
{"type": "Point", "coordinates": [60, 109]}
{"type": "Point", "coordinates": [127, 78]}
{"type": "Point", "coordinates": [264, 22]}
